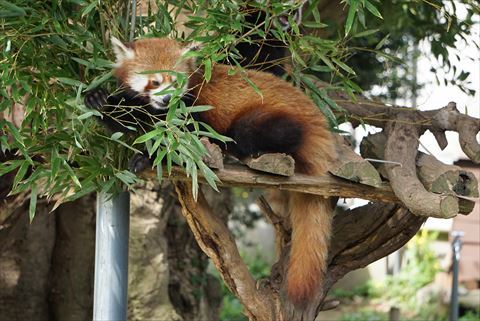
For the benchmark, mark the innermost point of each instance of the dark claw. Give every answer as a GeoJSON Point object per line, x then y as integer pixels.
{"type": "Point", "coordinates": [96, 99]}
{"type": "Point", "coordinates": [139, 163]}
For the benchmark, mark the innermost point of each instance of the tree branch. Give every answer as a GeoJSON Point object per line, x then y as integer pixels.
{"type": "Point", "coordinates": [366, 234]}
{"type": "Point", "coordinates": [402, 146]}
{"type": "Point", "coordinates": [434, 175]}
{"type": "Point", "coordinates": [449, 118]}
{"type": "Point", "coordinates": [351, 166]}
{"type": "Point", "coordinates": [437, 121]}
{"type": "Point", "coordinates": [327, 185]}
{"type": "Point", "coordinates": [217, 242]}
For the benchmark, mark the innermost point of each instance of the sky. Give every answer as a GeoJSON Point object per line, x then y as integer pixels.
{"type": "Point", "coordinates": [434, 95]}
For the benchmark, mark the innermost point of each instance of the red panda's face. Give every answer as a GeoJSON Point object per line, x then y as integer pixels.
{"type": "Point", "coordinates": [153, 67]}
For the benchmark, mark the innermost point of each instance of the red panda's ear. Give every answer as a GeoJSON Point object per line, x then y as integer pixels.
{"type": "Point", "coordinates": [122, 52]}
{"type": "Point", "coordinates": [191, 47]}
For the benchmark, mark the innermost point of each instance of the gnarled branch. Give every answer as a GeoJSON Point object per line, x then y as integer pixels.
{"type": "Point", "coordinates": [217, 242]}
{"type": "Point", "coordinates": [436, 176]}
{"type": "Point", "coordinates": [366, 234]}
{"type": "Point", "coordinates": [437, 121]}
{"type": "Point", "coordinates": [402, 147]}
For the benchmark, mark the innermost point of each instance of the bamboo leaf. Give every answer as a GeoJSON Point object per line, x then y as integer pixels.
{"type": "Point", "coordinates": [365, 33]}
{"type": "Point", "coordinates": [69, 81]}
{"type": "Point", "coordinates": [382, 42]}
{"type": "Point", "coordinates": [149, 135]}
{"type": "Point", "coordinates": [21, 173]}
{"type": "Point", "coordinates": [116, 136]}
{"type": "Point", "coordinates": [316, 25]}
{"type": "Point", "coordinates": [208, 69]}
{"type": "Point", "coordinates": [344, 66]}
{"type": "Point", "coordinates": [370, 7]}
{"type": "Point", "coordinates": [33, 202]}
{"type": "Point", "coordinates": [89, 8]}
{"type": "Point", "coordinates": [99, 80]}
{"type": "Point", "coordinates": [4, 169]}
{"type": "Point", "coordinates": [15, 11]}
{"type": "Point", "coordinates": [199, 108]}
{"type": "Point", "coordinates": [351, 15]}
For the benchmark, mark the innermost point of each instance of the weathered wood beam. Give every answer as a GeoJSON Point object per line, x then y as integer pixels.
{"type": "Point", "coordinates": [437, 121]}
{"type": "Point", "coordinates": [280, 164]}
{"type": "Point", "coordinates": [326, 185]}
{"type": "Point", "coordinates": [449, 118]}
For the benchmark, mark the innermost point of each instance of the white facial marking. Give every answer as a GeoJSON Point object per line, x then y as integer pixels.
{"type": "Point", "coordinates": [138, 82]}
{"type": "Point", "coordinates": [156, 98]}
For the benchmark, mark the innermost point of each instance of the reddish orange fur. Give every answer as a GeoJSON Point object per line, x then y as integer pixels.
{"type": "Point", "coordinates": [232, 96]}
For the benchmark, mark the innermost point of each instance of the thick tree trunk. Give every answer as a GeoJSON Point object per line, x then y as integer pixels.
{"type": "Point", "coordinates": [47, 267]}
{"type": "Point", "coordinates": [72, 265]}
{"type": "Point", "coordinates": [167, 277]}
{"type": "Point", "coordinates": [195, 293]}
{"type": "Point", "coordinates": [25, 258]}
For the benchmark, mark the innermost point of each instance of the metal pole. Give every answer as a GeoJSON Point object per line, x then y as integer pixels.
{"type": "Point", "coordinates": [111, 257]}
{"type": "Point", "coordinates": [456, 247]}
{"type": "Point", "coordinates": [394, 269]}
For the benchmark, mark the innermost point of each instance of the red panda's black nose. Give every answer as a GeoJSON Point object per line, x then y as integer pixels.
{"type": "Point", "coordinates": [166, 99]}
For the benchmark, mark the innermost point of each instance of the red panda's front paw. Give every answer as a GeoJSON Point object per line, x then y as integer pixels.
{"type": "Point", "coordinates": [96, 99]}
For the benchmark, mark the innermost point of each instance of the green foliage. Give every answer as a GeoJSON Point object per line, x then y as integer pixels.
{"type": "Point", "coordinates": [365, 315]}
{"type": "Point", "coordinates": [51, 52]}
{"type": "Point", "coordinates": [470, 316]}
{"type": "Point", "coordinates": [366, 290]}
{"type": "Point", "coordinates": [419, 269]}
{"type": "Point", "coordinates": [444, 24]}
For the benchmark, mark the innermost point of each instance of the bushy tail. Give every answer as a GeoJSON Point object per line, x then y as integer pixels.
{"type": "Point", "coordinates": [311, 226]}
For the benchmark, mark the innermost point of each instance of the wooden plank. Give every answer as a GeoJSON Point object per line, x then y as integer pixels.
{"type": "Point", "coordinates": [326, 185]}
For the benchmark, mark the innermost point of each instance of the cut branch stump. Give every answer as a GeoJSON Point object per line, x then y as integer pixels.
{"type": "Point", "coordinates": [279, 164]}
{"type": "Point", "coordinates": [435, 176]}
{"type": "Point", "coordinates": [351, 166]}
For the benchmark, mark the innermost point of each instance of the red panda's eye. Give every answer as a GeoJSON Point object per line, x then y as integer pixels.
{"type": "Point", "coordinates": [155, 83]}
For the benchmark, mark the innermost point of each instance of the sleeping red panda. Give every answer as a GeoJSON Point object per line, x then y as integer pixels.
{"type": "Point", "coordinates": [282, 119]}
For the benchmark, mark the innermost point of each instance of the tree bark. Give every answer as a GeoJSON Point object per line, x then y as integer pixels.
{"type": "Point", "coordinates": [47, 267]}
{"type": "Point", "coordinates": [72, 265]}
{"type": "Point", "coordinates": [351, 166]}
{"type": "Point", "coordinates": [149, 260]}
{"type": "Point", "coordinates": [326, 185]}
{"type": "Point", "coordinates": [435, 176]}
{"type": "Point", "coordinates": [167, 277]}
{"type": "Point", "coordinates": [25, 256]}
{"type": "Point", "coordinates": [216, 241]}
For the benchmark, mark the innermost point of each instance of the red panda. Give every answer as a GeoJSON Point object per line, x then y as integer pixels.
{"type": "Point", "coordinates": [282, 119]}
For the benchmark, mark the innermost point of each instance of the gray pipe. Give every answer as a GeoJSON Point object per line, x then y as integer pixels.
{"type": "Point", "coordinates": [111, 257]}
{"type": "Point", "coordinates": [456, 248]}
